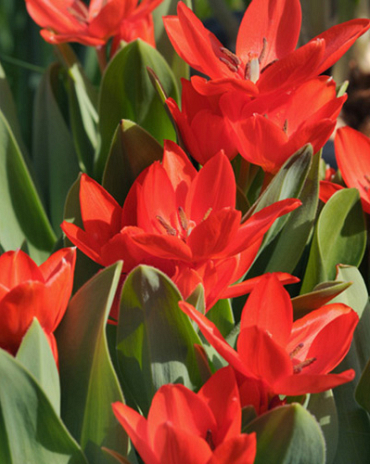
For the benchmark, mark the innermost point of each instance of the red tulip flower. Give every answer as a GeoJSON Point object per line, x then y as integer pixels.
{"type": "Point", "coordinates": [74, 21]}
{"type": "Point", "coordinates": [271, 128]}
{"type": "Point", "coordinates": [28, 291]}
{"type": "Point", "coordinates": [265, 58]}
{"type": "Point", "coordinates": [201, 115]}
{"type": "Point", "coordinates": [179, 220]}
{"type": "Point", "coordinates": [352, 152]}
{"type": "Point", "coordinates": [289, 358]}
{"type": "Point", "coordinates": [185, 427]}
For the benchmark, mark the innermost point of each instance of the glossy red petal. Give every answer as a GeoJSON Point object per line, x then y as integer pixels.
{"type": "Point", "coordinates": [327, 189]}
{"type": "Point", "coordinates": [276, 21]}
{"type": "Point", "coordinates": [237, 450]}
{"type": "Point", "coordinates": [183, 408]}
{"type": "Point", "coordinates": [83, 241]}
{"type": "Point", "coordinates": [221, 394]}
{"type": "Point", "coordinates": [138, 430]}
{"type": "Point", "coordinates": [66, 257]}
{"type": "Point", "coordinates": [214, 187]}
{"type": "Point", "coordinates": [352, 151]}
{"type": "Point", "coordinates": [261, 356]}
{"type": "Point", "coordinates": [164, 246]}
{"type": "Point", "coordinates": [101, 214]}
{"type": "Point", "coordinates": [17, 267]}
{"type": "Point", "coordinates": [214, 337]}
{"type": "Point", "coordinates": [269, 308]}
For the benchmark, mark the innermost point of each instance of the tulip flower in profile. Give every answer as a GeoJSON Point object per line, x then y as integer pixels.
{"type": "Point", "coordinates": [271, 128]}
{"type": "Point", "coordinates": [74, 21]}
{"type": "Point", "coordinates": [185, 427]}
{"type": "Point", "coordinates": [288, 358]}
{"type": "Point", "coordinates": [265, 58]}
{"type": "Point", "coordinates": [201, 115]}
{"type": "Point", "coordinates": [352, 152]}
{"type": "Point", "coordinates": [179, 220]}
{"type": "Point", "coordinates": [28, 291]}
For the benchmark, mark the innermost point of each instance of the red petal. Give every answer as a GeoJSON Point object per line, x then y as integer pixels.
{"type": "Point", "coordinates": [352, 151]}
{"type": "Point", "coordinates": [17, 267]}
{"type": "Point", "coordinates": [327, 189]}
{"type": "Point", "coordinates": [237, 450]}
{"type": "Point", "coordinates": [277, 21]}
{"type": "Point", "coordinates": [269, 308]}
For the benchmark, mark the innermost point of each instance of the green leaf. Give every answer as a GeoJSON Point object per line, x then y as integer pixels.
{"type": "Point", "coordinates": [320, 295]}
{"type": "Point", "coordinates": [221, 314]}
{"type": "Point", "coordinates": [288, 435]}
{"type": "Point", "coordinates": [322, 406]}
{"type": "Point", "coordinates": [133, 149]}
{"type": "Point", "coordinates": [54, 155]}
{"type": "Point", "coordinates": [88, 380]}
{"type": "Point", "coordinates": [282, 252]}
{"type": "Point", "coordinates": [126, 92]}
{"type": "Point", "coordinates": [155, 339]}
{"type": "Point", "coordinates": [30, 430]}
{"type": "Point", "coordinates": [7, 106]}
{"type": "Point", "coordinates": [22, 215]}
{"type": "Point", "coordinates": [354, 422]}
{"type": "Point", "coordinates": [363, 388]}
{"type": "Point", "coordinates": [340, 238]}
{"type": "Point", "coordinates": [83, 101]}
{"type": "Point", "coordinates": [36, 356]}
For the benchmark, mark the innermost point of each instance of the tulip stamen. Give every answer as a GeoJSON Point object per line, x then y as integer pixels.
{"type": "Point", "coordinates": [298, 367]}
{"type": "Point", "coordinates": [232, 67]}
{"type": "Point", "coordinates": [296, 350]}
{"type": "Point", "coordinates": [207, 214]}
{"type": "Point", "coordinates": [285, 126]}
{"type": "Point", "coordinates": [183, 219]}
{"type": "Point", "coordinates": [366, 187]}
{"type": "Point", "coordinates": [167, 227]}
{"type": "Point", "coordinates": [232, 57]}
{"type": "Point", "coordinates": [79, 11]}
{"type": "Point", "coordinates": [263, 51]}
{"type": "Point", "coordinates": [209, 439]}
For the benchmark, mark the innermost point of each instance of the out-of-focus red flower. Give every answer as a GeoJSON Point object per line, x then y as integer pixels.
{"type": "Point", "coordinates": [265, 57]}
{"type": "Point", "coordinates": [179, 220]}
{"type": "Point", "coordinates": [74, 21]}
{"type": "Point", "coordinates": [28, 291]}
{"type": "Point", "coordinates": [185, 427]}
{"type": "Point", "coordinates": [271, 128]}
{"type": "Point", "coordinates": [137, 22]}
{"type": "Point", "coordinates": [352, 151]}
{"type": "Point", "coordinates": [201, 124]}
{"type": "Point", "coordinates": [289, 358]}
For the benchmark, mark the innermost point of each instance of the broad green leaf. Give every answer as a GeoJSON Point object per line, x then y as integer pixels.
{"type": "Point", "coordinates": [22, 216]}
{"type": "Point", "coordinates": [155, 339]}
{"type": "Point", "coordinates": [88, 380]}
{"type": "Point", "coordinates": [83, 101]}
{"type": "Point", "coordinates": [7, 106]}
{"type": "Point", "coordinates": [36, 356]}
{"type": "Point", "coordinates": [363, 388]}
{"type": "Point", "coordinates": [286, 248]}
{"type": "Point", "coordinates": [340, 238]}
{"type": "Point", "coordinates": [354, 422]}
{"type": "Point", "coordinates": [126, 92]}
{"type": "Point", "coordinates": [221, 314]}
{"type": "Point", "coordinates": [133, 149]}
{"type": "Point", "coordinates": [320, 295]}
{"type": "Point", "coordinates": [288, 435]}
{"type": "Point", "coordinates": [54, 154]}
{"type": "Point", "coordinates": [322, 406]}
{"type": "Point", "coordinates": [30, 430]}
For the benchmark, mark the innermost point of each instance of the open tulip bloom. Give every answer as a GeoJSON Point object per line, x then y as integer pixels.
{"type": "Point", "coordinates": [210, 300]}
{"type": "Point", "coordinates": [182, 221]}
